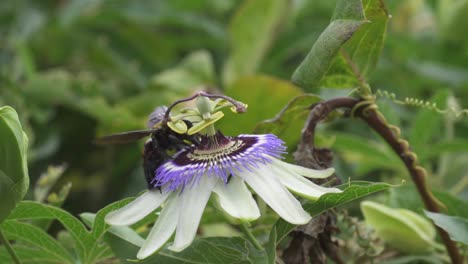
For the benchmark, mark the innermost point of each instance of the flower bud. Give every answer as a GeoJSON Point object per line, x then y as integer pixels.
{"type": "Point", "coordinates": [400, 228]}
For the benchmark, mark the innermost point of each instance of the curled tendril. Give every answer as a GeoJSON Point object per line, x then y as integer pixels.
{"type": "Point", "coordinates": [368, 105]}
{"type": "Point", "coordinates": [410, 101]}
{"type": "Point", "coordinates": [365, 106]}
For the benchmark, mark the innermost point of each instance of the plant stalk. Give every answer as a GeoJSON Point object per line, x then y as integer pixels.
{"type": "Point", "coordinates": [250, 236]}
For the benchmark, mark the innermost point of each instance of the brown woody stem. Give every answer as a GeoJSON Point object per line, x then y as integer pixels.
{"type": "Point", "coordinates": [367, 111]}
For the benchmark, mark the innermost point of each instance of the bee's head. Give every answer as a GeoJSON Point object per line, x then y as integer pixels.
{"type": "Point", "coordinates": [156, 116]}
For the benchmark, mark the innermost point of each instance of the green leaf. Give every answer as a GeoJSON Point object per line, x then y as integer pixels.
{"type": "Point", "coordinates": [228, 250]}
{"type": "Point", "coordinates": [54, 199]}
{"type": "Point", "coordinates": [348, 49]}
{"type": "Point", "coordinates": [347, 18]}
{"type": "Point", "coordinates": [339, 75]}
{"type": "Point", "coordinates": [14, 178]}
{"type": "Point", "coordinates": [452, 16]}
{"type": "Point", "coordinates": [455, 206]}
{"type": "Point", "coordinates": [83, 240]}
{"type": "Point", "coordinates": [264, 95]}
{"type": "Point", "coordinates": [456, 227]}
{"type": "Point", "coordinates": [405, 196]}
{"type": "Point", "coordinates": [72, 10]}
{"type": "Point", "coordinates": [124, 233]}
{"type": "Point", "coordinates": [29, 255]}
{"type": "Point", "coordinates": [195, 70]}
{"type": "Point", "coordinates": [271, 246]}
{"type": "Point", "coordinates": [351, 191]}
{"type": "Point", "coordinates": [426, 126]}
{"type": "Point", "coordinates": [252, 30]}
{"type": "Point", "coordinates": [366, 154]}
{"type": "Point", "coordinates": [36, 238]}
{"type": "Point", "coordinates": [70, 91]}
{"type": "Point", "coordinates": [123, 240]}
{"type": "Point", "coordinates": [99, 227]}
{"type": "Point", "coordinates": [121, 248]}
{"type": "Point", "coordinates": [365, 46]}
{"type": "Point", "coordinates": [112, 118]}
{"type": "Point", "coordinates": [400, 228]}
{"type": "Point", "coordinates": [290, 119]}
{"type": "Point", "coordinates": [456, 145]}
{"type": "Point", "coordinates": [435, 71]}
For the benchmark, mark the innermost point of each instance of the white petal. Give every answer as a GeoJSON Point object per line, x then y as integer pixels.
{"type": "Point", "coordinates": [137, 209]}
{"type": "Point", "coordinates": [301, 185]}
{"type": "Point", "coordinates": [237, 200]}
{"type": "Point", "coordinates": [162, 229]}
{"type": "Point", "coordinates": [310, 173]}
{"type": "Point", "coordinates": [191, 206]}
{"type": "Point", "coordinates": [265, 184]}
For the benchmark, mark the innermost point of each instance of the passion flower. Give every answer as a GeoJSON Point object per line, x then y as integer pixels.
{"type": "Point", "coordinates": [223, 165]}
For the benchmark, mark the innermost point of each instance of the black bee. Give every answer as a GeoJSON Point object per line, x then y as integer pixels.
{"type": "Point", "coordinates": [163, 142]}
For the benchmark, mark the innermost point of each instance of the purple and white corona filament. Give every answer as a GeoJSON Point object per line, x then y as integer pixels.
{"type": "Point", "coordinates": [218, 156]}
{"type": "Point", "coordinates": [221, 165]}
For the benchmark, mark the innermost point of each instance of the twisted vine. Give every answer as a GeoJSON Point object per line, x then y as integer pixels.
{"type": "Point", "coordinates": [367, 110]}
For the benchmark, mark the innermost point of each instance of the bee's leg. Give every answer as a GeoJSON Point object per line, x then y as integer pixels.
{"type": "Point", "coordinates": [149, 174]}
{"type": "Point", "coordinates": [229, 178]}
{"type": "Point", "coordinates": [175, 142]}
{"type": "Point", "coordinates": [153, 157]}
{"type": "Point", "coordinates": [194, 139]}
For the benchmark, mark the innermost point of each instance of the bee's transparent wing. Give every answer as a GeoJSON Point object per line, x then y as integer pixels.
{"type": "Point", "coordinates": [124, 137]}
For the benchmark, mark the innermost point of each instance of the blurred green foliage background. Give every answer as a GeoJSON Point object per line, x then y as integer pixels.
{"type": "Point", "coordinates": [78, 69]}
